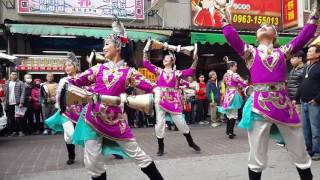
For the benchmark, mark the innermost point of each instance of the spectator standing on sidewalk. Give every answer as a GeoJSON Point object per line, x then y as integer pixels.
{"type": "Point", "coordinates": [14, 95]}
{"type": "Point", "coordinates": [190, 94]}
{"type": "Point", "coordinates": [202, 101]}
{"type": "Point", "coordinates": [213, 94]}
{"type": "Point", "coordinates": [28, 117]}
{"type": "Point", "coordinates": [48, 99]}
{"type": "Point", "coordinates": [35, 95]}
{"type": "Point", "coordinates": [295, 76]}
{"type": "Point", "coordinates": [309, 94]}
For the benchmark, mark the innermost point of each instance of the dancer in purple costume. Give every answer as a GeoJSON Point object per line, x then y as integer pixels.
{"type": "Point", "coordinates": [109, 121]}
{"type": "Point", "coordinates": [168, 97]}
{"type": "Point", "coordinates": [269, 102]}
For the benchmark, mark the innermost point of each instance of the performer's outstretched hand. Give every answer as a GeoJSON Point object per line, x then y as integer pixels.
{"type": "Point", "coordinates": [147, 48]}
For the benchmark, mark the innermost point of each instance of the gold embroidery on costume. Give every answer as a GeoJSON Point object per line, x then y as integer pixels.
{"type": "Point", "coordinates": [275, 58]}
{"type": "Point", "coordinates": [277, 100]}
{"type": "Point", "coordinates": [167, 76]}
{"type": "Point", "coordinates": [178, 73]}
{"type": "Point", "coordinates": [290, 106]}
{"type": "Point", "coordinates": [111, 118]}
{"type": "Point", "coordinates": [111, 72]}
{"type": "Point", "coordinates": [74, 109]}
{"type": "Point", "coordinates": [173, 99]}
{"type": "Point", "coordinates": [95, 70]}
{"type": "Point", "coordinates": [287, 49]}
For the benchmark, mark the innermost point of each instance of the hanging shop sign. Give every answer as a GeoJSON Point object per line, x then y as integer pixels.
{"type": "Point", "coordinates": [41, 63]}
{"type": "Point", "coordinates": [245, 14]}
{"type": "Point", "coordinates": [290, 13]}
{"type": "Point", "coordinates": [127, 9]}
{"type": "Point", "coordinates": [293, 14]}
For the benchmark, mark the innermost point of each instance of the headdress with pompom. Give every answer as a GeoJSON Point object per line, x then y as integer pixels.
{"type": "Point", "coordinates": [119, 35]}
{"type": "Point", "coordinates": [226, 59]}
{"type": "Point", "coordinates": [73, 60]}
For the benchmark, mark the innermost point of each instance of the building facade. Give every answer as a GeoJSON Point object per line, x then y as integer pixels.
{"type": "Point", "coordinates": [40, 26]}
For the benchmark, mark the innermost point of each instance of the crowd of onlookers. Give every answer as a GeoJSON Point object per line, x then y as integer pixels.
{"type": "Point", "coordinates": [26, 104]}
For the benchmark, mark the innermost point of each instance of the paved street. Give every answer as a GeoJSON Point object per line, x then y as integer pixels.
{"type": "Point", "coordinates": [43, 157]}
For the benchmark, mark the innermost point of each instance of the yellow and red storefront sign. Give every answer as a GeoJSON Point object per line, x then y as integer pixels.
{"type": "Point", "coordinates": [42, 63]}
{"type": "Point", "coordinates": [245, 14]}
{"type": "Point", "coordinates": [290, 13]}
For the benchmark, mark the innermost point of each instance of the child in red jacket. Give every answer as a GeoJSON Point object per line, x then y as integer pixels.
{"type": "Point", "coordinates": [202, 101]}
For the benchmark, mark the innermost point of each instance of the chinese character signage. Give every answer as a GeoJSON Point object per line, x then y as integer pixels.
{"type": "Point", "coordinates": [290, 13]}
{"type": "Point", "coordinates": [129, 9]}
{"type": "Point", "coordinates": [245, 14]}
{"type": "Point", "coordinates": [42, 63]}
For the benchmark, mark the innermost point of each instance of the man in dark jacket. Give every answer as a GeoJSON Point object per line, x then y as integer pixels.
{"type": "Point", "coordinates": [309, 95]}
{"type": "Point", "coordinates": [295, 76]}
{"type": "Point", "coordinates": [213, 94]}
{"type": "Point", "coordinates": [14, 94]}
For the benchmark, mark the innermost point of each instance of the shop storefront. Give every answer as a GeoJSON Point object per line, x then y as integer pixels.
{"type": "Point", "coordinates": [42, 39]}
{"type": "Point", "coordinates": [36, 27]}
{"type": "Point", "coordinates": [40, 65]}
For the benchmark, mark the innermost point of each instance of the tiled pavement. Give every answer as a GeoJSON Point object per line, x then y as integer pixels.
{"type": "Point", "coordinates": [20, 156]}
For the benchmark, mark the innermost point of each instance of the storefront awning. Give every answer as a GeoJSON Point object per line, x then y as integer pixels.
{"type": "Point", "coordinates": [213, 38]}
{"type": "Point", "coordinates": [95, 32]}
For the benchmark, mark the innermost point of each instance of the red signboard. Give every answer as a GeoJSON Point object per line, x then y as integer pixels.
{"type": "Point", "coordinates": [290, 13]}
{"type": "Point", "coordinates": [245, 14]}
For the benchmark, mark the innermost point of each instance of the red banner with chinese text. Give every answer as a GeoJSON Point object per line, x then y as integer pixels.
{"type": "Point", "coordinates": [290, 13]}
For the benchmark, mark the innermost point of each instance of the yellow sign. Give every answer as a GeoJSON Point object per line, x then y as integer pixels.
{"type": "Point", "coordinates": [149, 75]}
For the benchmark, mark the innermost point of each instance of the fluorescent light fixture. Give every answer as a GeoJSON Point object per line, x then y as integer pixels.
{"type": "Point", "coordinates": [55, 52]}
{"type": "Point", "coordinates": [51, 36]}
{"type": "Point", "coordinates": [207, 55]}
{"type": "Point", "coordinates": [6, 56]}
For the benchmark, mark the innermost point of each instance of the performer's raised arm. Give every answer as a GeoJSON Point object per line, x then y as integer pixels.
{"type": "Point", "coordinates": [146, 59]}
{"type": "Point", "coordinates": [243, 49]}
{"type": "Point", "coordinates": [86, 78]}
{"type": "Point", "coordinates": [189, 72]}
